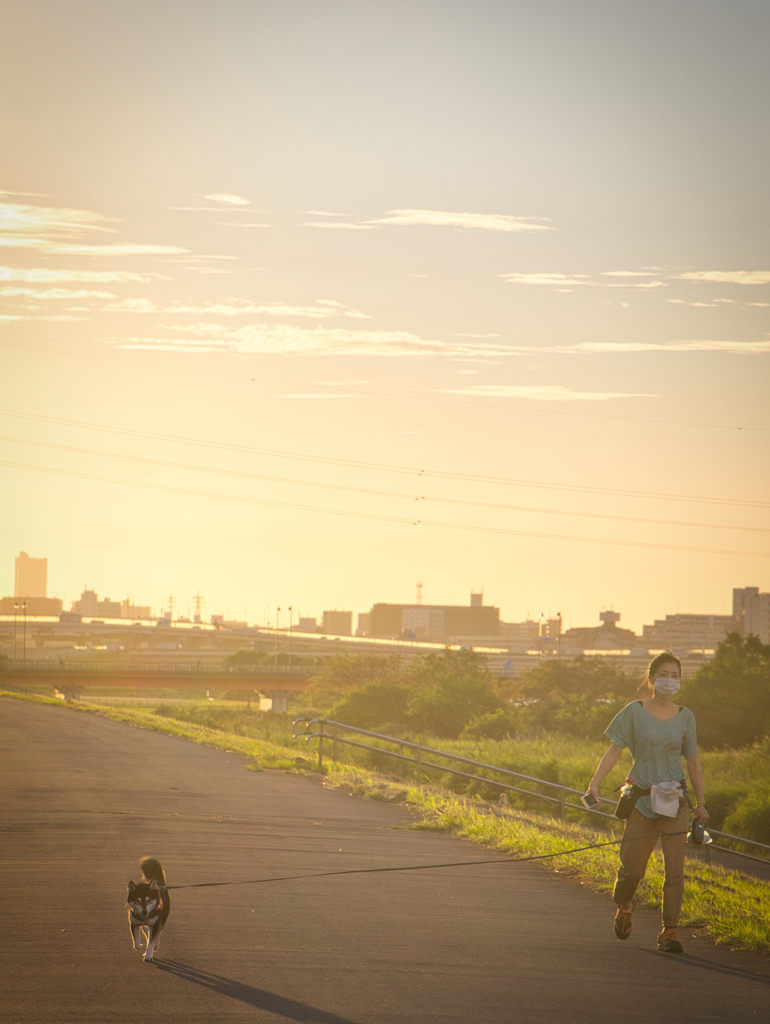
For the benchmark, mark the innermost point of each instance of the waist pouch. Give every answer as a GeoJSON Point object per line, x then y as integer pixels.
{"type": "Point", "coordinates": [630, 794]}
{"type": "Point", "coordinates": [628, 797]}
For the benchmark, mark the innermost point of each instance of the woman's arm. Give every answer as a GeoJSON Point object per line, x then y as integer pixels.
{"type": "Point", "coordinates": [695, 772]}
{"type": "Point", "coordinates": [606, 765]}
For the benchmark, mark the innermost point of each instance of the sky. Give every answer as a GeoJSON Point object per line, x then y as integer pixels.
{"type": "Point", "coordinates": [301, 303]}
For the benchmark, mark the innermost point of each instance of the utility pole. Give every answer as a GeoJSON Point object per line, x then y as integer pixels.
{"type": "Point", "coordinates": [24, 662]}
{"type": "Point", "coordinates": [291, 616]}
{"type": "Point", "coordinates": [277, 624]}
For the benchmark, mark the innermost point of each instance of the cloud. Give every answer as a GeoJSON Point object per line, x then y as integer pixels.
{"type": "Point", "coordinates": [681, 302]}
{"type": "Point", "coordinates": [288, 339]}
{"type": "Point", "coordinates": [28, 195]}
{"type": "Point", "coordinates": [473, 221]}
{"type": "Point", "coordinates": [342, 225]}
{"type": "Point", "coordinates": [323, 309]}
{"type": "Point", "coordinates": [20, 220]}
{"type": "Point", "coordinates": [538, 393]}
{"type": "Point", "coordinates": [227, 199]}
{"type": "Point", "coordinates": [729, 276]}
{"type": "Point", "coordinates": [236, 224]}
{"type": "Point", "coordinates": [53, 293]}
{"type": "Point", "coordinates": [40, 275]}
{"type": "Point", "coordinates": [552, 279]}
{"type": "Point", "coordinates": [322, 213]}
{"type": "Point", "coordinates": [561, 281]}
{"type": "Point", "coordinates": [627, 273]}
{"type": "Point", "coordinates": [622, 347]}
{"type": "Point", "coordinates": [47, 229]}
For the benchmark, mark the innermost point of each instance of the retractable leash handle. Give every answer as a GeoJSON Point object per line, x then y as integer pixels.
{"type": "Point", "coordinates": [698, 835]}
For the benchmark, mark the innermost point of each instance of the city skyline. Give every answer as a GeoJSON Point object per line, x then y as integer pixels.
{"type": "Point", "coordinates": [276, 614]}
{"type": "Point", "coordinates": [300, 304]}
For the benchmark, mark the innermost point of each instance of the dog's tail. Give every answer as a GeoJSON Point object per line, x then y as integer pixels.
{"type": "Point", "coordinates": [152, 869]}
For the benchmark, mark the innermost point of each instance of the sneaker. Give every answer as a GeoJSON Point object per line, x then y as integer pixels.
{"type": "Point", "coordinates": [668, 942]}
{"type": "Point", "coordinates": [624, 920]}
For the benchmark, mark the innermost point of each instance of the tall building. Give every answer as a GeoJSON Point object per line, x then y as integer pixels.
{"type": "Point", "coordinates": [751, 612]}
{"type": "Point", "coordinates": [31, 576]}
{"type": "Point", "coordinates": [338, 623]}
{"type": "Point", "coordinates": [437, 622]}
{"type": "Point", "coordinates": [688, 631]}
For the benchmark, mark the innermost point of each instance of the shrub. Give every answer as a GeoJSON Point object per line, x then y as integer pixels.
{"type": "Point", "coordinates": [751, 817]}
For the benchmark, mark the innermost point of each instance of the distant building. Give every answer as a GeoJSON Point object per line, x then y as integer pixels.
{"type": "Point", "coordinates": [306, 624]}
{"type": "Point", "coordinates": [337, 622]}
{"type": "Point", "coordinates": [435, 622]}
{"type": "Point", "coordinates": [136, 611]}
{"type": "Point", "coordinates": [34, 605]}
{"type": "Point", "coordinates": [607, 637]}
{"type": "Point", "coordinates": [688, 632]}
{"type": "Point", "coordinates": [363, 624]}
{"type": "Point", "coordinates": [520, 634]}
{"type": "Point", "coordinates": [751, 612]}
{"type": "Point", "coordinates": [31, 577]}
{"type": "Point", "coordinates": [90, 606]}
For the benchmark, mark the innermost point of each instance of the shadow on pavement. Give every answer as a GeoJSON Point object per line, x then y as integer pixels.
{"type": "Point", "coordinates": [709, 965]}
{"type": "Point", "coordinates": [258, 997]}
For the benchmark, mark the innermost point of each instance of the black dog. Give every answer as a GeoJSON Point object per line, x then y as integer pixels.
{"type": "Point", "coordinates": [149, 905]}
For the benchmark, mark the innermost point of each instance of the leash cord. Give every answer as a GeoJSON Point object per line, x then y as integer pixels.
{"type": "Point", "coordinates": [415, 867]}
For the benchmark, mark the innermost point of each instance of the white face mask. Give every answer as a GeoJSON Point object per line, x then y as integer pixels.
{"type": "Point", "coordinates": [665, 687]}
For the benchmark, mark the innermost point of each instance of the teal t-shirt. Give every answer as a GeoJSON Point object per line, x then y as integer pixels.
{"type": "Point", "coordinates": [656, 747]}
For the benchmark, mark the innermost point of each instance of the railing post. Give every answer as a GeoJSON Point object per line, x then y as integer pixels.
{"type": "Point", "coordinates": [562, 801]}
{"type": "Point", "coordinates": [401, 763]}
{"type": "Point", "coordinates": [334, 743]}
{"type": "Point", "coordinates": [321, 748]}
{"type": "Point", "coordinates": [419, 766]}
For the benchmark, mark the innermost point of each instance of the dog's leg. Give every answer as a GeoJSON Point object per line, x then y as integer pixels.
{"type": "Point", "coordinates": [135, 933]}
{"type": "Point", "coordinates": [151, 945]}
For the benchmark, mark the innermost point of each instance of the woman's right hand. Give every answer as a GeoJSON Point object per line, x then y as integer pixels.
{"type": "Point", "coordinates": [593, 787]}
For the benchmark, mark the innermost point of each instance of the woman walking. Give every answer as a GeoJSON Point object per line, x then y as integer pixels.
{"type": "Point", "coordinates": [659, 734]}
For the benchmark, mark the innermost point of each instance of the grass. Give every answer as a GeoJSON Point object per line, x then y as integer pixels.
{"type": "Point", "coordinates": [732, 908]}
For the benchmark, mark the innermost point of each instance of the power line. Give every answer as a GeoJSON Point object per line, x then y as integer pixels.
{"type": "Point", "coordinates": [382, 467]}
{"type": "Point", "coordinates": [382, 518]}
{"type": "Point", "coordinates": [380, 494]}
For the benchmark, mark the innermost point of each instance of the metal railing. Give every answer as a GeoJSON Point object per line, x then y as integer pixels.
{"type": "Point", "coordinates": [328, 730]}
{"type": "Point", "coordinates": [123, 667]}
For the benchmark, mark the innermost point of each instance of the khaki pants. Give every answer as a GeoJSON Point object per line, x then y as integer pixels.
{"type": "Point", "coordinates": [640, 838]}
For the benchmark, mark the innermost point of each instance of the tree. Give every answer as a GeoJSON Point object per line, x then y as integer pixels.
{"type": "Point", "coordinates": [343, 674]}
{"type": "Point", "coordinates": [581, 676]}
{"type": "Point", "coordinates": [456, 688]}
{"type": "Point", "coordinates": [730, 695]}
{"type": "Point", "coordinates": [381, 706]}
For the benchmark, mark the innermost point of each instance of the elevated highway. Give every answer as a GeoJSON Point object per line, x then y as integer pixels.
{"type": "Point", "coordinates": [73, 679]}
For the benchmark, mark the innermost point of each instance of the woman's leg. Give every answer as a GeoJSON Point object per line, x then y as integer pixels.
{"type": "Point", "coordinates": [640, 837]}
{"type": "Point", "coordinates": [673, 859]}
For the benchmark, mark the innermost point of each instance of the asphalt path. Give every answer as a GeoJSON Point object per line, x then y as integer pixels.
{"type": "Point", "coordinates": [82, 798]}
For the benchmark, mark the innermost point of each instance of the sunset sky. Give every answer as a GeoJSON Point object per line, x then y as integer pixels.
{"type": "Point", "coordinates": [302, 302]}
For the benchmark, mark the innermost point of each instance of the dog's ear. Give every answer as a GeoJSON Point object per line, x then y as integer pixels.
{"type": "Point", "coordinates": [154, 884]}
{"type": "Point", "coordinates": [131, 886]}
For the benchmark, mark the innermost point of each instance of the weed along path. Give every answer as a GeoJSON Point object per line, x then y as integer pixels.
{"type": "Point", "coordinates": [82, 798]}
